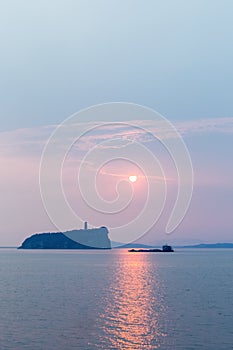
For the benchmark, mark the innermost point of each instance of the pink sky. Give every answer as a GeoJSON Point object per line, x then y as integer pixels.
{"type": "Point", "coordinates": [209, 218]}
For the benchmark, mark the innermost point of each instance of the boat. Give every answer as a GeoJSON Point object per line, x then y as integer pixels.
{"type": "Point", "coordinates": [165, 249]}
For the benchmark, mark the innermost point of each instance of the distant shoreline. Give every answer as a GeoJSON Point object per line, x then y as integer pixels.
{"type": "Point", "coordinates": [137, 245]}
{"type": "Point", "coordinates": [208, 245]}
{"type": "Point", "coordinates": [8, 247]}
{"type": "Point", "coordinates": [201, 246]}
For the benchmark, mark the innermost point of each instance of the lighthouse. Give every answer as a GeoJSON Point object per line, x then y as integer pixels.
{"type": "Point", "coordinates": [85, 225]}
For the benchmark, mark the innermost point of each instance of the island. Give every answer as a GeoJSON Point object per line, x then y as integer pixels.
{"type": "Point", "coordinates": [95, 238]}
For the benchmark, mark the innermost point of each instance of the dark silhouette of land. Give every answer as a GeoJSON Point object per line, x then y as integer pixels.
{"type": "Point", "coordinates": [208, 245]}
{"type": "Point", "coordinates": [96, 238]}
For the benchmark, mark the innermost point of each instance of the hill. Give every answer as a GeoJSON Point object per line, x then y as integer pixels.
{"type": "Point", "coordinates": [76, 239]}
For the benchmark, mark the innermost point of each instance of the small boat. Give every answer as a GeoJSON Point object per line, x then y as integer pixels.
{"type": "Point", "coordinates": [167, 248]}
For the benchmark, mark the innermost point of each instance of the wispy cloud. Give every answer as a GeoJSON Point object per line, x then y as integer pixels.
{"type": "Point", "coordinates": [20, 153]}
{"type": "Point", "coordinates": [31, 141]}
{"type": "Point", "coordinates": [211, 125]}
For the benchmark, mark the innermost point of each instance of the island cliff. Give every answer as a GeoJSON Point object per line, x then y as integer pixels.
{"type": "Point", "coordinates": [96, 238]}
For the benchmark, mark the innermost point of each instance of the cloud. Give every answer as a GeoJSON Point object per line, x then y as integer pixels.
{"type": "Point", "coordinates": [31, 141]}
{"type": "Point", "coordinates": [201, 126]}
{"type": "Point", "coordinates": [20, 153]}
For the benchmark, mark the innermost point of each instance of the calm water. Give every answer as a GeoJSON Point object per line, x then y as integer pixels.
{"type": "Point", "coordinates": [116, 300]}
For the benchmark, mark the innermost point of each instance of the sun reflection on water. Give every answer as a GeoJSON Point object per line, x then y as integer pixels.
{"type": "Point", "coordinates": [133, 318]}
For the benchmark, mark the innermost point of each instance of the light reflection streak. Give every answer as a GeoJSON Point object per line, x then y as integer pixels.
{"type": "Point", "coordinates": [134, 315]}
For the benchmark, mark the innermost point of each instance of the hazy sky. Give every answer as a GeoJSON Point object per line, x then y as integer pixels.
{"type": "Point", "coordinates": [173, 56]}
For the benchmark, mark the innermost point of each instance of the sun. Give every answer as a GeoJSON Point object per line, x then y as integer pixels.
{"type": "Point", "coordinates": [133, 178]}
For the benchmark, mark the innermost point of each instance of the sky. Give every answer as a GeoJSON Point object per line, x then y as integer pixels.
{"type": "Point", "coordinates": [175, 57]}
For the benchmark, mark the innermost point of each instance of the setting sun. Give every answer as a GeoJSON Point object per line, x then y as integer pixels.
{"type": "Point", "coordinates": [133, 178]}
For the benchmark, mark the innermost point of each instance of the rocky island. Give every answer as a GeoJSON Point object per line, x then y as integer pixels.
{"type": "Point", "coordinates": [96, 238]}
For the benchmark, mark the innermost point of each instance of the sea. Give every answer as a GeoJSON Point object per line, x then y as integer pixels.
{"type": "Point", "coordinates": [88, 300]}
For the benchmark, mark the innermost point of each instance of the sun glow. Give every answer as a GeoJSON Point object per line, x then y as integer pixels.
{"type": "Point", "coordinates": [133, 178]}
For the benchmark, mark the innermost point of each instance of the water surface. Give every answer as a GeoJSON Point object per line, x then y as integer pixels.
{"type": "Point", "coordinates": [116, 300]}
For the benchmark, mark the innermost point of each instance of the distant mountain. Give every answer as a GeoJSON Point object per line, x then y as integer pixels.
{"type": "Point", "coordinates": [208, 245]}
{"type": "Point", "coordinates": [202, 245]}
{"type": "Point", "coordinates": [130, 245]}
{"type": "Point", "coordinates": [10, 247]}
